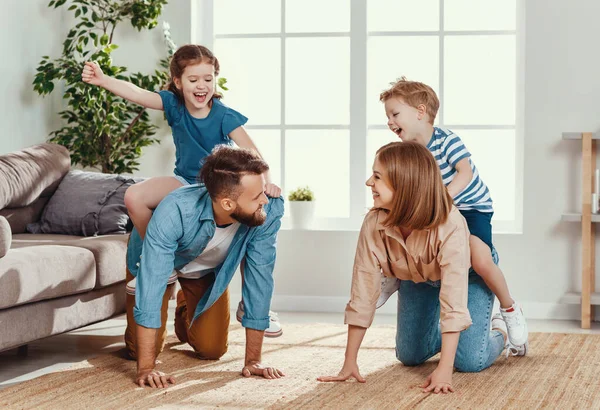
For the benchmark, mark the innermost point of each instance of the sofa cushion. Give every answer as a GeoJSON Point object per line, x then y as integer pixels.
{"type": "Point", "coordinates": [86, 204]}
{"type": "Point", "coordinates": [19, 218]}
{"type": "Point", "coordinates": [30, 173]}
{"type": "Point", "coordinates": [5, 236]}
{"type": "Point", "coordinates": [45, 272]}
{"type": "Point", "coordinates": [109, 252]}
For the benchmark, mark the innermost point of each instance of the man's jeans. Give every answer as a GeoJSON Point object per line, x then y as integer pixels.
{"type": "Point", "coordinates": [418, 335]}
{"type": "Point", "coordinates": [207, 334]}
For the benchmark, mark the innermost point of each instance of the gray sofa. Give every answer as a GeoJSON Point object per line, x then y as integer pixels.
{"type": "Point", "coordinates": [50, 284]}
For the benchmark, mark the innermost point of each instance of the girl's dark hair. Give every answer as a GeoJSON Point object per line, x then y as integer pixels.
{"type": "Point", "coordinates": [186, 55]}
{"type": "Point", "coordinates": [223, 169]}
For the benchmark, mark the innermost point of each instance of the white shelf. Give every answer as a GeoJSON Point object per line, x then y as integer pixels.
{"type": "Point", "coordinates": [574, 298]}
{"type": "Point", "coordinates": [577, 136]}
{"type": "Point", "coordinates": [575, 217]}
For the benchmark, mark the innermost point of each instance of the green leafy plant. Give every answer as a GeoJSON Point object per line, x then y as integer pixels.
{"type": "Point", "coordinates": [301, 194]}
{"type": "Point", "coordinates": [102, 130]}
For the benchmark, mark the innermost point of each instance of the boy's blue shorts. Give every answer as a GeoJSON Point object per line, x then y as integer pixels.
{"type": "Point", "coordinates": [480, 225]}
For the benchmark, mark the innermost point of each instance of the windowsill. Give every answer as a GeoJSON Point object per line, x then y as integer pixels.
{"type": "Point", "coordinates": [346, 225]}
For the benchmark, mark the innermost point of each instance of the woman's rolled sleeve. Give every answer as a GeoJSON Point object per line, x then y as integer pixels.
{"type": "Point", "coordinates": [366, 278]}
{"type": "Point", "coordinates": [454, 260]}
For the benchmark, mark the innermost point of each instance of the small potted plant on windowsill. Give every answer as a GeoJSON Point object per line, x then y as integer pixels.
{"type": "Point", "coordinates": [302, 207]}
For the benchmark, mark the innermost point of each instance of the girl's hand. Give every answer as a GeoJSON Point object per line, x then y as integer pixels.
{"type": "Point", "coordinates": [439, 381]}
{"type": "Point", "coordinates": [349, 370]}
{"type": "Point", "coordinates": [92, 73]}
{"type": "Point", "coordinates": [272, 190]}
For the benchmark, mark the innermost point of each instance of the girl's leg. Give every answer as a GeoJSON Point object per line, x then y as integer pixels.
{"type": "Point", "coordinates": [483, 264]}
{"type": "Point", "coordinates": [418, 334]}
{"type": "Point", "coordinates": [142, 198]}
{"type": "Point", "coordinates": [478, 348]}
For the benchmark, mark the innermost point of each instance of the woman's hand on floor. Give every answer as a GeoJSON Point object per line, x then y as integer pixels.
{"type": "Point", "coordinates": [439, 381]}
{"type": "Point", "coordinates": [349, 370]}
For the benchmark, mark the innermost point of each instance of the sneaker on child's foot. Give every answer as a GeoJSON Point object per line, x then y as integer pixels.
{"type": "Point", "coordinates": [516, 324]}
{"type": "Point", "coordinates": [389, 286]}
{"type": "Point", "coordinates": [130, 288]}
{"type": "Point", "coordinates": [498, 323]}
{"type": "Point", "coordinates": [274, 329]}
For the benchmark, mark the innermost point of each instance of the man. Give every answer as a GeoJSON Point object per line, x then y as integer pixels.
{"type": "Point", "coordinates": [204, 232]}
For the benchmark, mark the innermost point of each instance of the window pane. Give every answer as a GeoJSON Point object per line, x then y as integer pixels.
{"type": "Point", "coordinates": [403, 15]}
{"type": "Point", "coordinates": [268, 143]}
{"type": "Point", "coordinates": [317, 81]}
{"type": "Point", "coordinates": [375, 140]}
{"type": "Point", "coordinates": [479, 15]}
{"type": "Point", "coordinates": [305, 16]}
{"type": "Point", "coordinates": [232, 16]}
{"type": "Point", "coordinates": [390, 58]}
{"type": "Point", "coordinates": [497, 166]}
{"type": "Point", "coordinates": [252, 87]}
{"type": "Point", "coordinates": [479, 80]}
{"type": "Point", "coordinates": [321, 160]}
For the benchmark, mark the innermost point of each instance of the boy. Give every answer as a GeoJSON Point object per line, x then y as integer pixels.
{"type": "Point", "coordinates": [411, 108]}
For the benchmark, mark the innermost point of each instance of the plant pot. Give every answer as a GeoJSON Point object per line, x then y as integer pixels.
{"type": "Point", "coordinates": [303, 213]}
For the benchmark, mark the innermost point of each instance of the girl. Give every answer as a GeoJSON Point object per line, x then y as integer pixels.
{"type": "Point", "coordinates": [199, 121]}
{"type": "Point", "coordinates": [414, 233]}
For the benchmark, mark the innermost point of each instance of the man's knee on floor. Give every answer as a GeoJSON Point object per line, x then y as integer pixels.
{"type": "Point", "coordinates": [209, 350]}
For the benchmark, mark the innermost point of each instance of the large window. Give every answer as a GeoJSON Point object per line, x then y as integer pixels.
{"type": "Point", "coordinates": [308, 75]}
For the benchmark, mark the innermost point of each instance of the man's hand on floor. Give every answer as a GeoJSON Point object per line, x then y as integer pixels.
{"type": "Point", "coordinates": [257, 369]}
{"type": "Point", "coordinates": [153, 378]}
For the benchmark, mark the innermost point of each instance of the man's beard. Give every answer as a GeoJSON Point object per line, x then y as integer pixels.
{"type": "Point", "coordinates": [254, 219]}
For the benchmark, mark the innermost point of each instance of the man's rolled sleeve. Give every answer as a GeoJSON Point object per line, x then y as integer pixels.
{"type": "Point", "coordinates": [366, 279]}
{"type": "Point", "coordinates": [454, 260]}
{"type": "Point", "coordinates": [157, 262]}
{"type": "Point", "coordinates": [260, 259]}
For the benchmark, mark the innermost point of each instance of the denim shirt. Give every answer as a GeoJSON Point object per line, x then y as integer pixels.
{"type": "Point", "coordinates": [180, 228]}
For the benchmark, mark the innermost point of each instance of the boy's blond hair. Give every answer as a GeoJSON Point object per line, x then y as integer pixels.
{"type": "Point", "coordinates": [414, 94]}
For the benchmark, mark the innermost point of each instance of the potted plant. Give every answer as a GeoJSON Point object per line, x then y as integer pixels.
{"type": "Point", "coordinates": [302, 207]}
{"type": "Point", "coordinates": [102, 130]}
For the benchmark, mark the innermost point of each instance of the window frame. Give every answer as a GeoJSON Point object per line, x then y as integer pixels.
{"type": "Point", "coordinates": [358, 127]}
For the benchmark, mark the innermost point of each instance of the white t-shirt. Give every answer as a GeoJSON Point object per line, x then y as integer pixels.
{"type": "Point", "coordinates": [214, 254]}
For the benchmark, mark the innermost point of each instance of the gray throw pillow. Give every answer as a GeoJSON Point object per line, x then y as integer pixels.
{"type": "Point", "coordinates": [86, 204]}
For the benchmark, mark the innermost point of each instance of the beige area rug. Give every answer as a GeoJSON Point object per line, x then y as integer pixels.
{"type": "Point", "coordinates": [562, 372]}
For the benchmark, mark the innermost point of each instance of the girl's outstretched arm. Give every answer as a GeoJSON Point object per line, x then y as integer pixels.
{"type": "Point", "coordinates": [92, 74]}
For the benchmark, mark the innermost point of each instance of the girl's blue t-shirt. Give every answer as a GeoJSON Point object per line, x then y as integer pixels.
{"type": "Point", "coordinates": [196, 137]}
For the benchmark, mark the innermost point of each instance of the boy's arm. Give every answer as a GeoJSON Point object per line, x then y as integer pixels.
{"type": "Point", "coordinates": [463, 177]}
{"type": "Point", "coordinates": [92, 74]}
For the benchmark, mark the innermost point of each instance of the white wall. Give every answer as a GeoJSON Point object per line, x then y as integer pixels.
{"type": "Point", "coordinates": [31, 30]}
{"type": "Point", "coordinates": [562, 90]}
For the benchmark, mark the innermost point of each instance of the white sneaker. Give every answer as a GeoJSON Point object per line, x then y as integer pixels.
{"type": "Point", "coordinates": [516, 324]}
{"type": "Point", "coordinates": [130, 288]}
{"type": "Point", "coordinates": [274, 329]}
{"type": "Point", "coordinates": [498, 323]}
{"type": "Point", "coordinates": [389, 286]}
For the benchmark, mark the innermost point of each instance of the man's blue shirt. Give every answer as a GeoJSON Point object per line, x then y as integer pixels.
{"type": "Point", "coordinates": [180, 228]}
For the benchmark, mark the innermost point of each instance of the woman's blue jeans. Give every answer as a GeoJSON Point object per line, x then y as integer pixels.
{"type": "Point", "coordinates": [418, 335]}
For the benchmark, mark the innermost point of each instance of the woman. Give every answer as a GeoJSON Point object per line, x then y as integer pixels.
{"type": "Point", "coordinates": [415, 234]}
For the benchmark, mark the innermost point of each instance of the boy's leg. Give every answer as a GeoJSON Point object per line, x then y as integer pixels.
{"type": "Point", "coordinates": [143, 197]}
{"type": "Point", "coordinates": [478, 348]}
{"type": "Point", "coordinates": [418, 334]}
{"type": "Point", "coordinates": [130, 331]}
{"type": "Point", "coordinates": [483, 264]}
{"type": "Point", "coordinates": [208, 334]}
